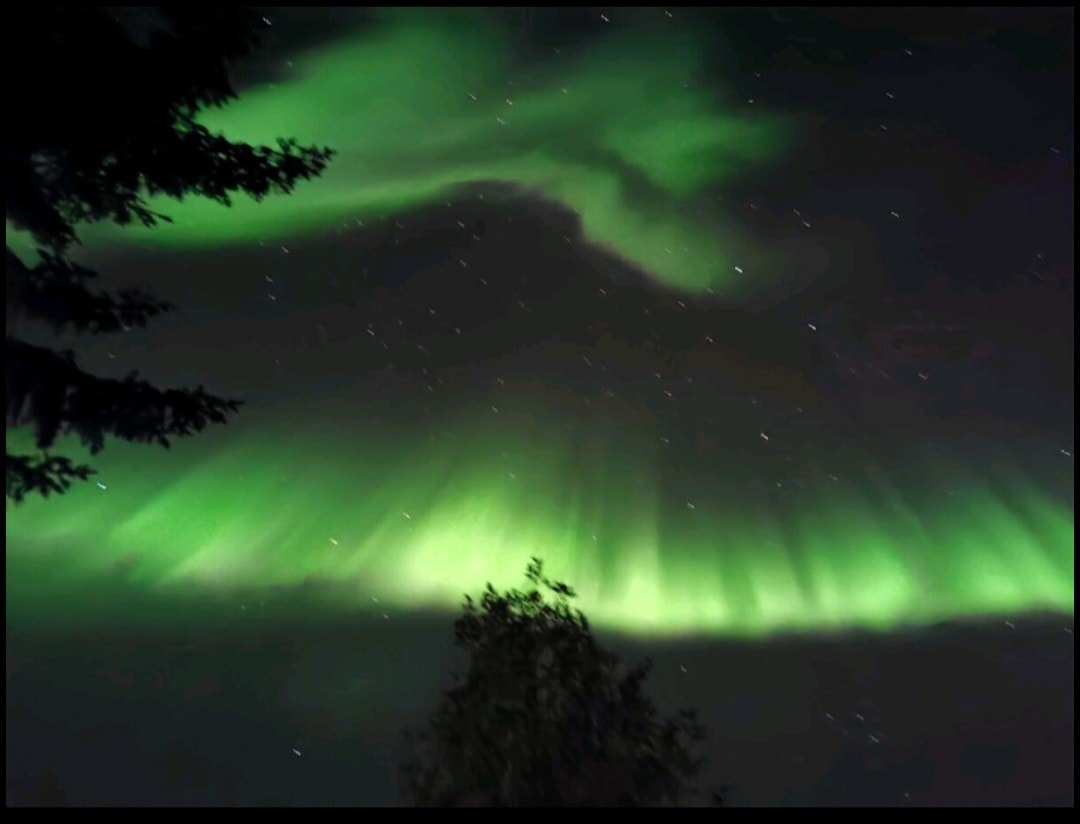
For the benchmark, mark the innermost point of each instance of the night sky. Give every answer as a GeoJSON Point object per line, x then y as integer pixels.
{"type": "Point", "coordinates": [756, 326]}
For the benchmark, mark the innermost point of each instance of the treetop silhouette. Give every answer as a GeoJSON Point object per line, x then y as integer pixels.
{"type": "Point", "coordinates": [107, 104]}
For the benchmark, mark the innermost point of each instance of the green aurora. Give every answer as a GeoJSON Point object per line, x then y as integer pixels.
{"type": "Point", "coordinates": [622, 131]}
{"type": "Point", "coordinates": [388, 520]}
{"type": "Point", "coordinates": [391, 518]}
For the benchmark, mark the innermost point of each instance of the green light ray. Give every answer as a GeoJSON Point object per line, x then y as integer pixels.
{"type": "Point", "coordinates": [417, 522]}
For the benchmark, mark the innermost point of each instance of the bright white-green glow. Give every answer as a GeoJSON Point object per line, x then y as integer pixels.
{"type": "Point", "coordinates": [416, 523]}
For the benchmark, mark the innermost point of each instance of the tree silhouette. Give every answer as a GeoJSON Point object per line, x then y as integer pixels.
{"type": "Point", "coordinates": [545, 717]}
{"type": "Point", "coordinates": [104, 116]}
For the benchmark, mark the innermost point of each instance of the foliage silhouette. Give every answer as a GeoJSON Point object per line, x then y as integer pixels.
{"type": "Point", "coordinates": [107, 118]}
{"type": "Point", "coordinates": [546, 717]}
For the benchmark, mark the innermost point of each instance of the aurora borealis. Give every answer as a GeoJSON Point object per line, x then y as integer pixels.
{"type": "Point", "coordinates": [658, 541]}
{"type": "Point", "coordinates": [425, 103]}
{"type": "Point", "coordinates": [755, 326]}
{"type": "Point", "coordinates": [413, 524]}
